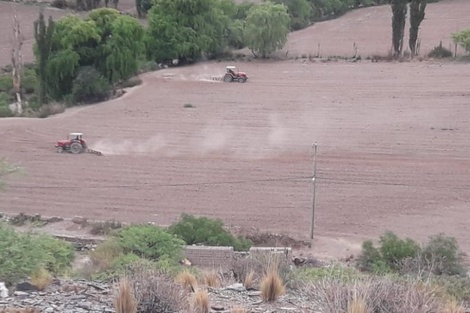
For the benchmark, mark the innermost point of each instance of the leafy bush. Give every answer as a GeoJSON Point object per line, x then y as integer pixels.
{"type": "Point", "coordinates": [29, 82]}
{"type": "Point", "coordinates": [5, 111]}
{"type": "Point", "coordinates": [89, 86]}
{"type": "Point", "coordinates": [457, 287]}
{"type": "Point", "coordinates": [440, 52]}
{"type": "Point", "coordinates": [59, 254]}
{"type": "Point", "coordinates": [389, 256]}
{"type": "Point", "coordinates": [463, 39]}
{"type": "Point", "coordinates": [23, 254]}
{"type": "Point", "coordinates": [150, 242]}
{"type": "Point", "coordinates": [444, 256]}
{"type": "Point", "coordinates": [205, 231]}
{"type": "Point", "coordinates": [18, 255]}
{"type": "Point", "coordinates": [6, 83]}
{"type": "Point", "coordinates": [440, 256]}
{"type": "Point", "coordinates": [6, 98]}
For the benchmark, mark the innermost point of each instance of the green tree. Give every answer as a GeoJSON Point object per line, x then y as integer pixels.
{"type": "Point", "coordinates": [121, 46]}
{"type": "Point", "coordinates": [109, 42]}
{"type": "Point", "coordinates": [300, 12]}
{"type": "Point", "coordinates": [184, 29]}
{"type": "Point", "coordinates": [417, 8]}
{"type": "Point", "coordinates": [463, 39]}
{"type": "Point", "coordinates": [43, 36]}
{"type": "Point", "coordinates": [399, 10]}
{"type": "Point", "coordinates": [267, 27]}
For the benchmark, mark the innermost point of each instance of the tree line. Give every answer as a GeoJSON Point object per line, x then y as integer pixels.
{"type": "Point", "coordinates": [79, 60]}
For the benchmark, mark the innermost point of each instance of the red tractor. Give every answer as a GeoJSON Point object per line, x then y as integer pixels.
{"type": "Point", "coordinates": [233, 74]}
{"type": "Point", "coordinates": [74, 144]}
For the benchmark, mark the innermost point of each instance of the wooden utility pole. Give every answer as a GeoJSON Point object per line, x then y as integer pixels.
{"type": "Point", "coordinates": [314, 181]}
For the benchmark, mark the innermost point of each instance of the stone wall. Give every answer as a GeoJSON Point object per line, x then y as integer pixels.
{"type": "Point", "coordinates": [209, 256]}
{"type": "Point", "coordinates": [204, 256]}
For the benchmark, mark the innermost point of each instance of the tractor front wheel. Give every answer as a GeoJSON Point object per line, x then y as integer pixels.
{"type": "Point", "coordinates": [76, 148]}
{"type": "Point", "coordinates": [60, 150]}
{"type": "Point", "coordinates": [241, 80]}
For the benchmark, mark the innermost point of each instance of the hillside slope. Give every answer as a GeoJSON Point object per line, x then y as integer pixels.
{"type": "Point", "coordinates": [370, 28]}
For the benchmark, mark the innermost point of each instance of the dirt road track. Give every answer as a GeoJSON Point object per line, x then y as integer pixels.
{"type": "Point", "coordinates": [393, 139]}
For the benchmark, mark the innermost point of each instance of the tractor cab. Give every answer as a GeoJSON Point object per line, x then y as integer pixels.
{"type": "Point", "coordinates": [232, 74]}
{"type": "Point", "coordinates": [75, 136]}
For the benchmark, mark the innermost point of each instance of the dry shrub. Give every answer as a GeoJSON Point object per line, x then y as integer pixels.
{"type": "Point", "coordinates": [210, 279]}
{"type": "Point", "coordinates": [41, 279]}
{"type": "Point", "coordinates": [272, 286]}
{"type": "Point", "coordinates": [357, 305]}
{"type": "Point", "coordinates": [105, 254]}
{"type": "Point", "coordinates": [155, 291]}
{"type": "Point", "coordinates": [238, 310]}
{"type": "Point", "coordinates": [249, 280]}
{"type": "Point", "coordinates": [380, 294]}
{"type": "Point", "coordinates": [200, 301]}
{"type": "Point", "coordinates": [50, 109]}
{"type": "Point", "coordinates": [261, 264]}
{"type": "Point", "coordinates": [453, 307]}
{"type": "Point", "coordinates": [124, 301]}
{"type": "Point", "coordinates": [187, 280]}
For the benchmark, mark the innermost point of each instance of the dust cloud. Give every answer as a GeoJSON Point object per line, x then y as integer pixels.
{"type": "Point", "coordinates": [278, 135]}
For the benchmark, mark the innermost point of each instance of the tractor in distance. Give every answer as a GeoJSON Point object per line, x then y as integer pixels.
{"type": "Point", "coordinates": [233, 75]}
{"type": "Point", "coordinates": [74, 144]}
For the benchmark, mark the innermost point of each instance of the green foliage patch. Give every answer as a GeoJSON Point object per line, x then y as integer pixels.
{"type": "Point", "coordinates": [205, 231]}
{"type": "Point", "coordinates": [21, 254]}
{"type": "Point", "coordinates": [439, 256]}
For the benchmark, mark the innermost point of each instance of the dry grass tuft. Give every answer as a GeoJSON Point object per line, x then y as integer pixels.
{"type": "Point", "coordinates": [200, 301]}
{"type": "Point", "coordinates": [210, 279]}
{"type": "Point", "coordinates": [383, 294]}
{"type": "Point", "coordinates": [41, 279]}
{"type": "Point", "coordinates": [156, 291]}
{"type": "Point", "coordinates": [272, 286]}
{"type": "Point", "coordinates": [453, 307]}
{"type": "Point", "coordinates": [249, 279]}
{"type": "Point", "coordinates": [357, 305]}
{"type": "Point", "coordinates": [238, 310]}
{"type": "Point", "coordinates": [187, 279]}
{"type": "Point", "coordinates": [124, 301]}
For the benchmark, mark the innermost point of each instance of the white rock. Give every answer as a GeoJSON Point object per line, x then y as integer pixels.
{"type": "Point", "coordinates": [3, 291]}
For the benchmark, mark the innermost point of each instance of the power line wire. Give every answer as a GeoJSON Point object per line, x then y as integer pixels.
{"type": "Point", "coordinates": [342, 181]}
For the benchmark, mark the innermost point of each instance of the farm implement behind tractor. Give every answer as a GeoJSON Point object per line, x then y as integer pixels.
{"type": "Point", "coordinates": [75, 144]}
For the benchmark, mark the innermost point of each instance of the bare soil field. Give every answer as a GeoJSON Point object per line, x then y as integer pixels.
{"type": "Point", "coordinates": [393, 144]}
{"type": "Point", "coordinates": [393, 151]}
{"type": "Point", "coordinates": [27, 14]}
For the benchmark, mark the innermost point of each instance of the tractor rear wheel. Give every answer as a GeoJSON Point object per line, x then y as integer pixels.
{"type": "Point", "coordinates": [228, 78]}
{"type": "Point", "coordinates": [76, 148]}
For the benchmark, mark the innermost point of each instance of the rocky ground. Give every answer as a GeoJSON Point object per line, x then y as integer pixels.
{"type": "Point", "coordinates": [82, 296]}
